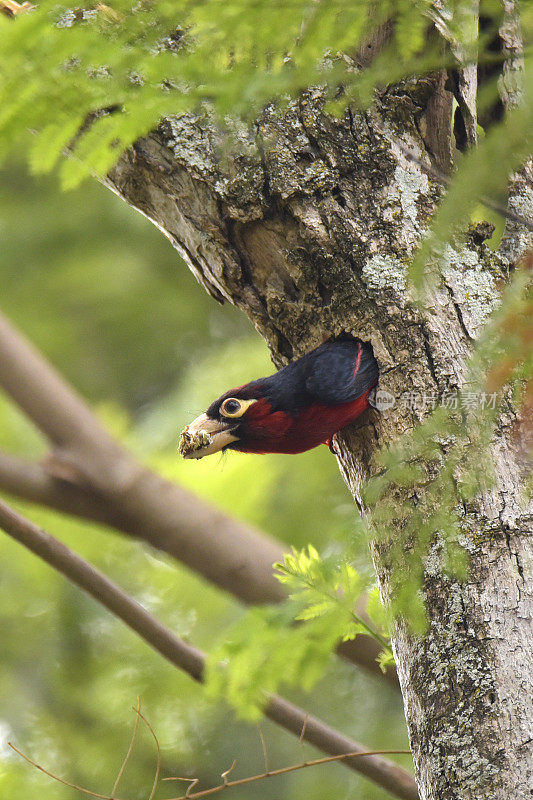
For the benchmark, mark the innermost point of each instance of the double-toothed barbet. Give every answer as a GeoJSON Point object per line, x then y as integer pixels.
{"type": "Point", "coordinates": [299, 407]}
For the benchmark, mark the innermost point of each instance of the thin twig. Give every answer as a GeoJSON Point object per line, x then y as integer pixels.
{"type": "Point", "coordinates": [194, 783]}
{"type": "Point", "coordinates": [58, 779]}
{"type": "Point", "coordinates": [191, 660]}
{"type": "Point", "coordinates": [224, 775]}
{"type": "Point", "coordinates": [264, 748]}
{"type": "Point", "coordinates": [130, 748]}
{"type": "Point", "coordinates": [191, 781]}
{"type": "Point", "coordinates": [275, 772]}
{"type": "Point", "coordinates": [158, 764]}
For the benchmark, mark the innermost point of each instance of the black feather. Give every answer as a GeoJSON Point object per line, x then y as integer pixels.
{"type": "Point", "coordinates": [334, 376]}
{"type": "Point", "coordinates": [326, 375]}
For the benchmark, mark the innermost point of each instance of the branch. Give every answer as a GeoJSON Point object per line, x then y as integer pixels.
{"type": "Point", "coordinates": [32, 482]}
{"type": "Point", "coordinates": [191, 660]}
{"type": "Point", "coordinates": [232, 554]}
{"type": "Point", "coordinates": [84, 450]}
{"type": "Point", "coordinates": [132, 499]}
{"type": "Point", "coordinates": [272, 773]}
{"type": "Point", "coordinates": [227, 784]}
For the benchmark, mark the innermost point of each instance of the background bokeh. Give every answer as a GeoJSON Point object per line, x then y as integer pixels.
{"type": "Point", "coordinates": [103, 294]}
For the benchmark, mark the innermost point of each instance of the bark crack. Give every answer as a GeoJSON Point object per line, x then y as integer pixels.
{"type": "Point", "coordinates": [266, 175]}
{"type": "Point", "coordinates": [429, 357]}
{"type": "Point", "coordinates": [459, 313]}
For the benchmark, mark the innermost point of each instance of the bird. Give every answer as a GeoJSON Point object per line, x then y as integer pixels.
{"type": "Point", "coordinates": [296, 409]}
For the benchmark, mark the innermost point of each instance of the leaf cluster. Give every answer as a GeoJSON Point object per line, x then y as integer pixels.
{"type": "Point", "coordinates": [95, 79]}
{"type": "Point", "coordinates": [290, 644]}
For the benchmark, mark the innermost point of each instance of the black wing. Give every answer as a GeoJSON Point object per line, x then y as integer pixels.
{"type": "Point", "coordinates": [339, 372]}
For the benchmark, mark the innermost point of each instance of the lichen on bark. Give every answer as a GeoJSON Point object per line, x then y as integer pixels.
{"type": "Point", "coordinates": [307, 224]}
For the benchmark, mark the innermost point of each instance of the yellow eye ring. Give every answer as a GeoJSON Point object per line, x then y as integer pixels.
{"type": "Point", "coordinates": [234, 408]}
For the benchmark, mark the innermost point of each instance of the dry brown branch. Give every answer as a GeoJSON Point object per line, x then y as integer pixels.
{"type": "Point", "coordinates": [274, 772]}
{"type": "Point", "coordinates": [92, 476]}
{"type": "Point", "coordinates": [61, 780]}
{"type": "Point", "coordinates": [191, 660]}
{"type": "Point", "coordinates": [158, 763]}
{"type": "Point", "coordinates": [226, 784]}
{"type": "Point", "coordinates": [130, 748]}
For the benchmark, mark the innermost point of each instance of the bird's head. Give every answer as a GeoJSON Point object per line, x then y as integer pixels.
{"type": "Point", "coordinates": [297, 408]}
{"type": "Point", "coordinates": [241, 419]}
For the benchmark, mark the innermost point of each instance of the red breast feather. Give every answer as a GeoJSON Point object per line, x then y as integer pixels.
{"type": "Point", "coordinates": [306, 403]}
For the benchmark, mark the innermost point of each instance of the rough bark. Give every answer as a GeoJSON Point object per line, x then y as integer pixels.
{"type": "Point", "coordinates": [307, 226]}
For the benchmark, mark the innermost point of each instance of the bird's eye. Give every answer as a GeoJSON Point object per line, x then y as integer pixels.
{"type": "Point", "coordinates": [232, 408]}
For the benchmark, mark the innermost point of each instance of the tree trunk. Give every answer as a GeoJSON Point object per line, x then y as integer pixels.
{"type": "Point", "coordinates": [308, 226]}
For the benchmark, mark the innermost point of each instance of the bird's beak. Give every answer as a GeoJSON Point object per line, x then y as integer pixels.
{"type": "Point", "coordinates": [205, 436]}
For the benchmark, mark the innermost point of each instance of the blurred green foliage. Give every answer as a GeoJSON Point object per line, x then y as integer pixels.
{"type": "Point", "coordinates": [149, 351]}
{"type": "Point", "coordinates": [116, 317]}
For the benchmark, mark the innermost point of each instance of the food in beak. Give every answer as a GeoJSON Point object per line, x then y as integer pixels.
{"type": "Point", "coordinates": [204, 436]}
{"type": "Point", "coordinates": [190, 442]}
